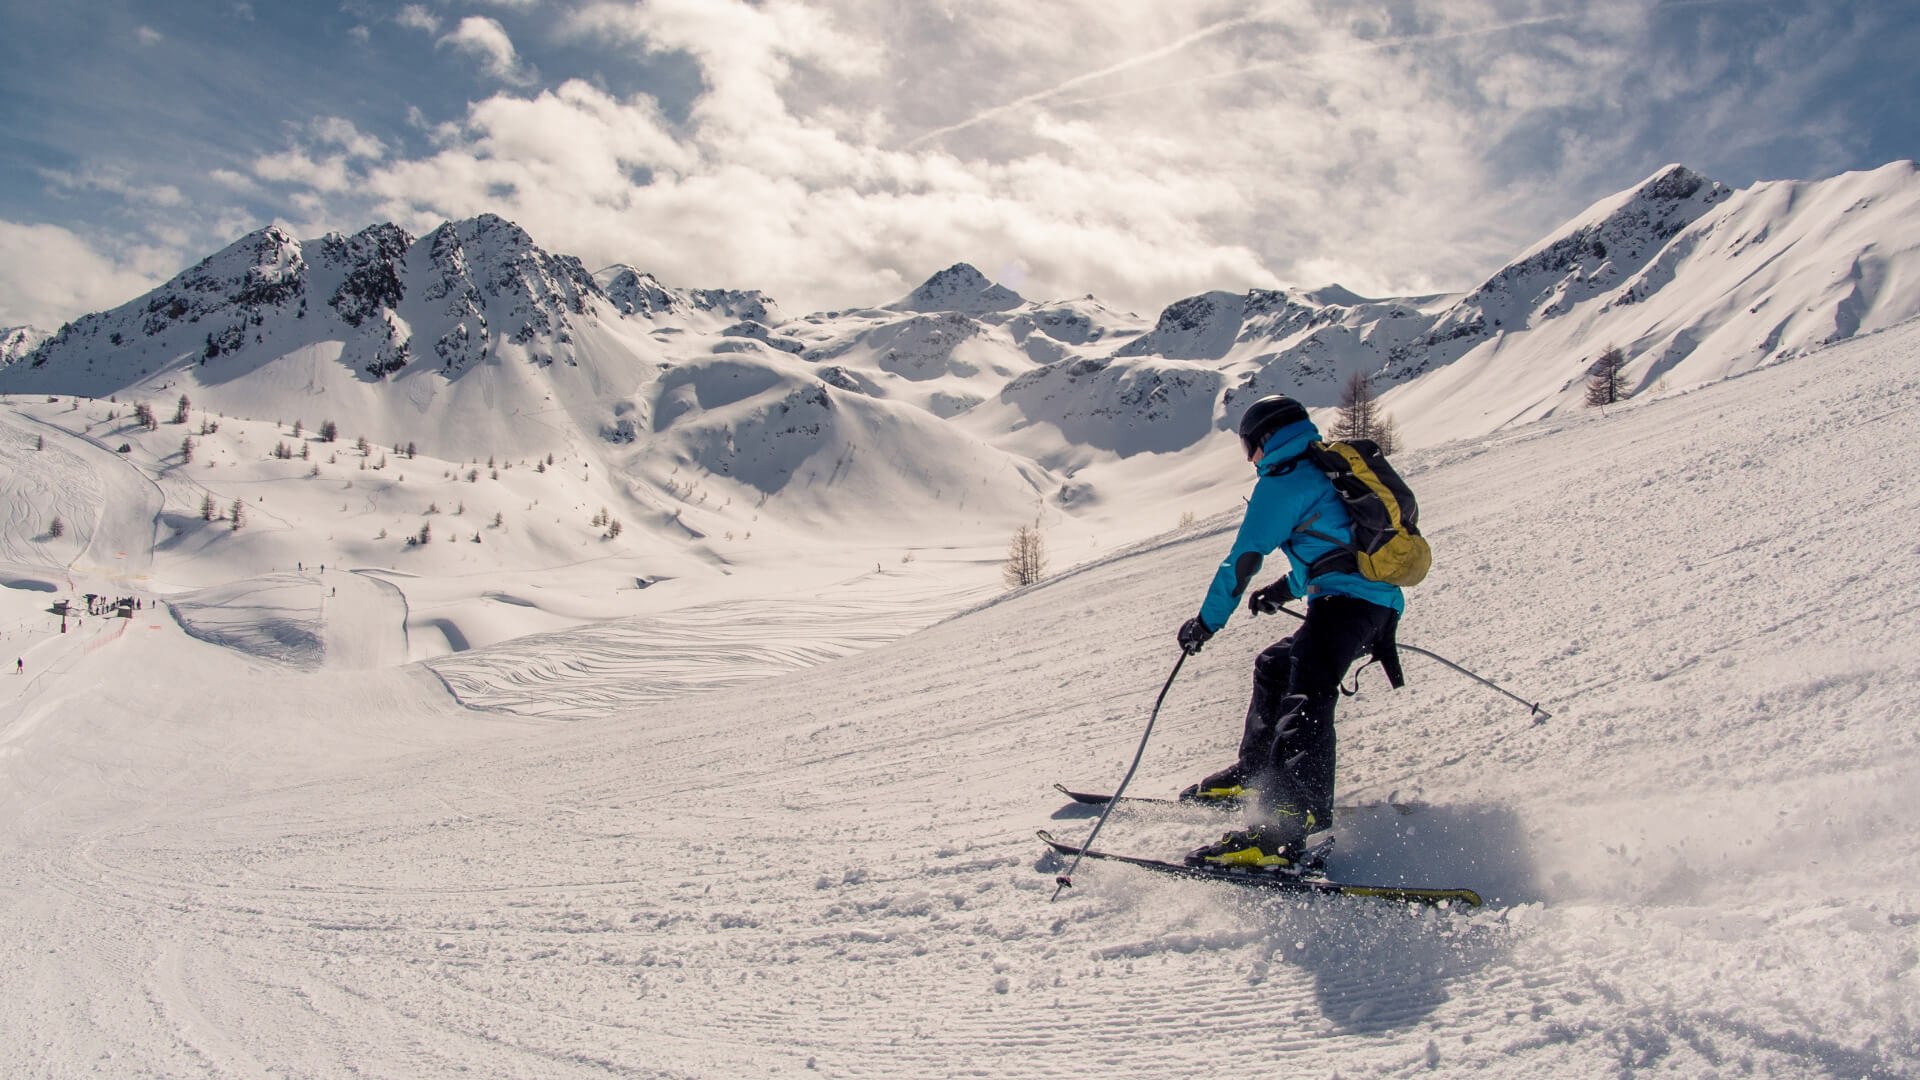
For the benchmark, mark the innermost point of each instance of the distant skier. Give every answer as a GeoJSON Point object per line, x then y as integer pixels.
{"type": "Point", "coordinates": [1286, 760]}
{"type": "Point", "coordinates": [20, 666]}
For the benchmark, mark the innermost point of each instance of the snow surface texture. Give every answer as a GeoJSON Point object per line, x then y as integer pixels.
{"type": "Point", "coordinates": [272, 846]}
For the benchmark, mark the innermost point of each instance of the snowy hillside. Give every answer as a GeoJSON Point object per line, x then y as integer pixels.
{"type": "Point", "coordinates": [240, 834]}
{"type": "Point", "coordinates": [1694, 281]}
{"type": "Point", "coordinates": [473, 344]}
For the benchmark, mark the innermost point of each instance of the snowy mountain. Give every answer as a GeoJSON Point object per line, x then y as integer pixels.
{"type": "Point", "coordinates": [18, 341]}
{"type": "Point", "coordinates": [1694, 281]}
{"type": "Point", "coordinates": [476, 344]}
{"type": "Point", "coordinates": [633, 292]}
{"type": "Point", "coordinates": [960, 288]}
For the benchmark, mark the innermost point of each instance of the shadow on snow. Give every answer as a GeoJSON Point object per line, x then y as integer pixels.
{"type": "Point", "coordinates": [1381, 966]}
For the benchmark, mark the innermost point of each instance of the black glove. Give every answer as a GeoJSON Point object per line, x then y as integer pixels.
{"type": "Point", "coordinates": [1193, 634]}
{"type": "Point", "coordinates": [1267, 600]}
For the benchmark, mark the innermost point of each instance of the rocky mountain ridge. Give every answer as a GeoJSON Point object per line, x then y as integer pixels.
{"type": "Point", "coordinates": [1656, 269]}
{"type": "Point", "coordinates": [17, 341]}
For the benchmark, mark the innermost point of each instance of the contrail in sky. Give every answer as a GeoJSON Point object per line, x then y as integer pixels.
{"type": "Point", "coordinates": [998, 110]}
{"type": "Point", "coordinates": [1200, 35]}
{"type": "Point", "coordinates": [1366, 47]}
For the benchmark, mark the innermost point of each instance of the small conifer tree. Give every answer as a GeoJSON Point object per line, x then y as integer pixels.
{"type": "Point", "coordinates": [1359, 411]}
{"type": "Point", "coordinates": [1387, 434]}
{"type": "Point", "coordinates": [1607, 379]}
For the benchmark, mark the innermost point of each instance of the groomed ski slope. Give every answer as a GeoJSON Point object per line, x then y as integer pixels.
{"type": "Point", "coordinates": [1706, 864]}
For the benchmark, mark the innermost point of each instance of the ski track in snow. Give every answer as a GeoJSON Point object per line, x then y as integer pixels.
{"type": "Point", "coordinates": [592, 670]}
{"type": "Point", "coordinates": [221, 863]}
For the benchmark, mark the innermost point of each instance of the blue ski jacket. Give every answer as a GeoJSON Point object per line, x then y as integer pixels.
{"type": "Point", "coordinates": [1290, 495]}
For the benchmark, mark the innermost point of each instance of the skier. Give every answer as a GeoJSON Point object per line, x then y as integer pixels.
{"type": "Point", "coordinates": [1287, 749]}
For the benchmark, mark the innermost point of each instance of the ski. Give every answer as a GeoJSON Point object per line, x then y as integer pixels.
{"type": "Point", "coordinates": [1101, 798]}
{"type": "Point", "coordinates": [1308, 882]}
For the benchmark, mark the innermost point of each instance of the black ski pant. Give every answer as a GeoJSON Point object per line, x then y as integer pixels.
{"type": "Point", "coordinates": [1288, 748]}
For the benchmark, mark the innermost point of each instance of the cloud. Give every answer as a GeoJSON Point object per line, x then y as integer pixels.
{"type": "Point", "coordinates": [233, 181]}
{"type": "Point", "coordinates": [116, 182]}
{"type": "Point", "coordinates": [321, 159]}
{"type": "Point", "coordinates": [417, 17]}
{"type": "Point", "coordinates": [48, 274]}
{"type": "Point", "coordinates": [836, 152]}
{"type": "Point", "coordinates": [148, 36]}
{"type": "Point", "coordinates": [487, 41]}
{"type": "Point", "coordinates": [341, 132]}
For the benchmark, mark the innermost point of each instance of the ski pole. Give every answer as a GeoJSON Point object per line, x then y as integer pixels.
{"type": "Point", "coordinates": [1065, 881]}
{"type": "Point", "coordinates": [1539, 715]}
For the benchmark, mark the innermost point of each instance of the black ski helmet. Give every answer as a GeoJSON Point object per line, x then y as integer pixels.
{"type": "Point", "coordinates": [1266, 416]}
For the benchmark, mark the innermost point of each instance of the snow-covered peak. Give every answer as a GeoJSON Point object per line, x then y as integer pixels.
{"type": "Point", "coordinates": [641, 295]}
{"type": "Point", "coordinates": [635, 292]}
{"type": "Point", "coordinates": [960, 288]}
{"type": "Point", "coordinates": [1200, 327]}
{"type": "Point", "coordinates": [18, 341]}
{"type": "Point", "coordinates": [1335, 295]}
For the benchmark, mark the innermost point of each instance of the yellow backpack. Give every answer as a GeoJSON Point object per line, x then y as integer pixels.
{"type": "Point", "coordinates": [1387, 545]}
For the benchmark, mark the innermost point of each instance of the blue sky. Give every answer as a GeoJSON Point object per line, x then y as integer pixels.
{"type": "Point", "coordinates": [837, 152]}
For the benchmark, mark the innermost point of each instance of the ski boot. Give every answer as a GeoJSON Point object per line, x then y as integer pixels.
{"type": "Point", "coordinates": [1224, 789]}
{"type": "Point", "coordinates": [1280, 843]}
